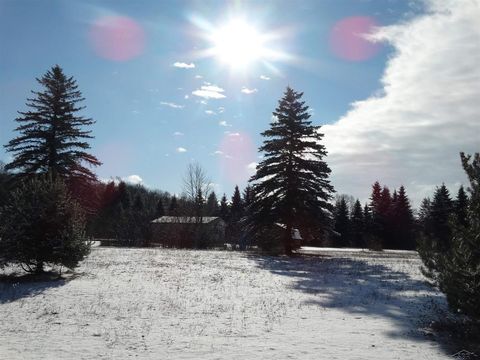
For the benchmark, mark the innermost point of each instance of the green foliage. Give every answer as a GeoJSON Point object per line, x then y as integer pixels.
{"type": "Point", "coordinates": [42, 224]}
{"type": "Point", "coordinates": [454, 263]}
{"type": "Point", "coordinates": [291, 184]}
{"type": "Point", "coordinates": [51, 134]}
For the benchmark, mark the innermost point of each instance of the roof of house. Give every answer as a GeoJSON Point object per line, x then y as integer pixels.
{"type": "Point", "coordinates": [184, 219]}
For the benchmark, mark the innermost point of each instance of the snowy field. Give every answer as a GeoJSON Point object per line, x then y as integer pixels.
{"type": "Point", "coordinates": [179, 304]}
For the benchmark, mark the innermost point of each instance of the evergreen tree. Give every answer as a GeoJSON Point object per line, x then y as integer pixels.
{"type": "Point", "coordinates": [52, 135]}
{"type": "Point", "coordinates": [440, 212]}
{"type": "Point", "coordinates": [236, 207]}
{"type": "Point", "coordinates": [247, 196]}
{"type": "Point", "coordinates": [173, 207]}
{"type": "Point", "coordinates": [211, 207]}
{"type": "Point", "coordinates": [357, 225]}
{"type": "Point", "coordinates": [41, 224]}
{"type": "Point", "coordinates": [402, 232]}
{"type": "Point", "coordinates": [380, 205]}
{"type": "Point", "coordinates": [342, 223]}
{"type": "Point", "coordinates": [291, 184]}
{"type": "Point", "coordinates": [224, 213]}
{"type": "Point", "coordinates": [461, 207]}
{"type": "Point", "coordinates": [455, 269]}
{"type": "Point", "coordinates": [159, 210]}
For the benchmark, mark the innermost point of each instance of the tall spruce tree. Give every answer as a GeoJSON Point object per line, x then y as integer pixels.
{"type": "Point", "coordinates": [224, 211]}
{"type": "Point", "coordinates": [342, 223]}
{"type": "Point", "coordinates": [441, 212]}
{"type": "Point", "coordinates": [211, 207]}
{"type": "Point", "coordinates": [455, 269]}
{"type": "Point", "coordinates": [52, 136]}
{"type": "Point", "coordinates": [461, 207]}
{"type": "Point", "coordinates": [402, 221]}
{"type": "Point", "coordinates": [291, 185]}
{"type": "Point", "coordinates": [357, 225]}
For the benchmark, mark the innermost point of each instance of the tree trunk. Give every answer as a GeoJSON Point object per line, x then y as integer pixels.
{"type": "Point", "coordinates": [288, 240]}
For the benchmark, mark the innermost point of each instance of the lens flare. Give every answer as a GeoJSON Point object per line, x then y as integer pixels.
{"type": "Point", "coordinates": [117, 38]}
{"type": "Point", "coordinates": [348, 38]}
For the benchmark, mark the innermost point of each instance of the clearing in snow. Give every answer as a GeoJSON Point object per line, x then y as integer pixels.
{"type": "Point", "coordinates": [181, 304]}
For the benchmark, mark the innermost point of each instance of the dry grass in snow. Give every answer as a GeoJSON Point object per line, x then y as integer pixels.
{"type": "Point", "coordinates": [179, 304]}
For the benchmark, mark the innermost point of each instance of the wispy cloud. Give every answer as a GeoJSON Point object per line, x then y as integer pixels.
{"type": "Point", "coordinates": [210, 112]}
{"type": "Point", "coordinates": [178, 133]}
{"type": "Point", "coordinates": [198, 77]}
{"type": "Point", "coordinates": [181, 149]}
{"type": "Point", "coordinates": [183, 65]}
{"type": "Point", "coordinates": [209, 92]}
{"type": "Point", "coordinates": [224, 123]}
{"type": "Point", "coordinates": [172, 105]}
{"type": "Point", "coordinates": [248, 91]}
{"type": "Point", "coordinates": [264, 77]}
{"type": "Point", "coordinates": [218, 153]}
{"type": "Point", "coordinates": [411, 132]}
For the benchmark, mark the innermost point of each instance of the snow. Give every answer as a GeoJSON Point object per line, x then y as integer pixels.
{"type": "Point", "coordinates": [180, 304]}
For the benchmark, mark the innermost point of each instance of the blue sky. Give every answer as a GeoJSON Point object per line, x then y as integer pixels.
{"type": "Point", "coordinates": [150, 122]}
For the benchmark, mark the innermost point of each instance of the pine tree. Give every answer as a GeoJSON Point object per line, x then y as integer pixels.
{"type": "Point", "coordinates": [357, 225]}
{"type": "Point", "coordinates": [211, 207]}
{"type": "Point", "coordinates": [455, 269]}
{"type": "Point", "coordinates": [342, 223]}
{"type": "Point", "coordinates": [159, 209]}
{"type": "Point", "coordinates": [224, 213]}
{"type": "Point", "coordinates": [173, 207]}
{"type": "Point", "coordinates": [41, 224]}
{"type": "Point", "coordinates": [402, 221]}
{"type": "Point", "coordinates": [52, 135]}
{"type": "Point", "coordinates": [461, 207]}
{"type": "Point", "coordinates": [236, 207]}
{"type": "Point", "coordinates": [441, 211]}
{"type": "Point", "coordinates": [291, 184]}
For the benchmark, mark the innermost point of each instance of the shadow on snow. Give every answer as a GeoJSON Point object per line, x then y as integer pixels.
{"type": "Point", "coordinates": [373, 290]}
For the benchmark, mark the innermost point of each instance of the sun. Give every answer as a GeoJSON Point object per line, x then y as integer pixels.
{"type": "Point", "coordinates": [237, 44]}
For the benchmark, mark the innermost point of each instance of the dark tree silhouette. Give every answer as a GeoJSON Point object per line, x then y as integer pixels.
{"type": "Point", "coordinates": [342, 223]}
{"type": "Point", "coordinates": [291, 185]}
{"type": "Point", "coordinates": [357, 225]}
{"type": "Point", "coordinates": [211, 208]}
{"type": "Point", "coordinates": [402, 222]}
{"type": "Point", "coordinates": [461, 207]}
{"type": "Point", "coordinates": [224, 212]}
{"type": "Point", "coordinates": [52, 134]}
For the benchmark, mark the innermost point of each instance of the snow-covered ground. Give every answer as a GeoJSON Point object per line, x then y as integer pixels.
{"type": "Point", "coordinates": [179, 304]}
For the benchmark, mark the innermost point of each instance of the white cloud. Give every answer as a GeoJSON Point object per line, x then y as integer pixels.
{"type": "Point", "coordinates": [186, 97]}
{"type": "Point", "coordinates": [183, 65]}
{"type": "Point", "coordinates": [224, 123]}
{"type": "Point", "coordinates": [221, 109]}
{"type": "Point", "coordinates": [248, 91]}
{"type": "Point", "coordinates": [133, 179]}
{"type": "Point", "coordinates": [210, 112]}
{"type": "Point", "coordinates": [198, 77]}
{"type": "Point", "coordinates": [263, 77]}
{"type": "Point", "coordinates": [172, 105]}
{"type": "Point", "coordinates": [181, 149]}
{"type": "Point", "coordinates": [218, 152]}
{"type": "Point", "coordinates": [209, 92]}
{"type": "Point", "coordinates": [428, 110]}
{"type": "Point", "coordinates": [178, 133]}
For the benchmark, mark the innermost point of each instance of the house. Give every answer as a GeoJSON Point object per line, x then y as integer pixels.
{"type": "Point", "coordinates": [188, 231]}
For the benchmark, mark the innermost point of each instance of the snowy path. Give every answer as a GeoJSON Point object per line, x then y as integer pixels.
{"type": "Point", "coordinates": [175, 304]}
